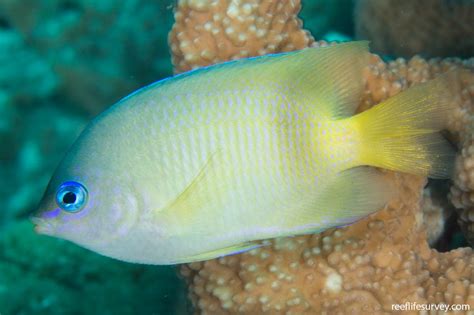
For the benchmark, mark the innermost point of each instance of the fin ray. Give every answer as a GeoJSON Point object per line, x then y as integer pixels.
{"type": "Point", "coordinates": [187, 208]}
{"type": "Point", "coordinates": [402, 133]}
{"type": "Point", "coordinates": [327, 81]}
{"type": "Point", "coordinates": [351, 195]}
{"type": "Point", "coordinates": [226, 251]}
{"type": "Point", "coordinates": [332, 76]}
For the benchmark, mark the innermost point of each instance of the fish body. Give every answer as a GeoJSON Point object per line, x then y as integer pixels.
{"type": "Point", "coordinates": [208, 163]}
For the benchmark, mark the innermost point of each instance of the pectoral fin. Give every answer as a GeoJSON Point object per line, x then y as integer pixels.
{"type": "Point", "coordinates": [186, 211]}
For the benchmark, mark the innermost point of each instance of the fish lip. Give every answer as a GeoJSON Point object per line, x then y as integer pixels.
{"type": "Point", "coordinates": [42, 226]}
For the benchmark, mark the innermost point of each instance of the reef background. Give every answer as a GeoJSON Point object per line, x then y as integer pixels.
{"type": "Point", "coordinates": [61, 63]}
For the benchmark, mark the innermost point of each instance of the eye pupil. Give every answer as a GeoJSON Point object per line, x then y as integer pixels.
{"type": "Point", "coordinates": [69, 198]}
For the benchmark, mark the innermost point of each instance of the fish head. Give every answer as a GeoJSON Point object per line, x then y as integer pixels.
{"type": "Point", "coordinates": [91, 199]}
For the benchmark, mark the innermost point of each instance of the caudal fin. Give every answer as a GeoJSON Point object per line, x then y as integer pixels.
{"type": "Point", "coordinates": [402, 133]}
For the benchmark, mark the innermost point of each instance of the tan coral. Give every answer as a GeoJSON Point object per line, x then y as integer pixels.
{"type": "Point", "coordinates": [362, 268]}
{"type": "Point", "coordinates": [212, 31]}
{"type": "Point", "coordinates": [405, 28]}
{"type": "Point", "coordinates": [401, 74]}
{"type": "Point", "coordinates": [436, 211]}
{"type": "Point", "coordinates": [462, 192]}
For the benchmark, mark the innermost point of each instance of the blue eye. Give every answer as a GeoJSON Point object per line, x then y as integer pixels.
{"type": "Point", "coordinates": [71, 196]}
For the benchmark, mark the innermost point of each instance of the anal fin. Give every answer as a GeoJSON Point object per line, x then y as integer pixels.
{"type": "Point", "coordinates": [231, 250]}
{"type": "Point", "coordinates": [348, 196]}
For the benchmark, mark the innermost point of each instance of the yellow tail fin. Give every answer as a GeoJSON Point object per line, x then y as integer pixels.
{"type": "Point", "coordinates": [402, 133]}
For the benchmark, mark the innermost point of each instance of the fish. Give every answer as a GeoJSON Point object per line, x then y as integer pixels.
{"type": "Point", "coordinates": [214, 161]}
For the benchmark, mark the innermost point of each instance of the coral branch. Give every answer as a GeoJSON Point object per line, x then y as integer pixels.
{"type": "Point", "coordinates": [212, 31]}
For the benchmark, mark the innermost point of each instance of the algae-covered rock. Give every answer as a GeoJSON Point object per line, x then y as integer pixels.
{"type": "Point", "coordinates": [43, 275]}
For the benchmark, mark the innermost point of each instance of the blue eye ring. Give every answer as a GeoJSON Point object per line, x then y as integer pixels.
{"type": "Point", "coordinates": [71, 196]}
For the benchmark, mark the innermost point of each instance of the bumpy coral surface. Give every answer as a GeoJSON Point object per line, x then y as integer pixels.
{"type": "Point", "coordinates": [438, 214]}
{"type": "Point", "coordinates": [362, 268]}
{"type": "Point", "coordinates": [435, 28]}
{"type": "Point", "coordinates": [212, 31]}
{"type": "Point", "coordinates": [462, 192]}
{"type": "Point", "coordinates": [401, 73]}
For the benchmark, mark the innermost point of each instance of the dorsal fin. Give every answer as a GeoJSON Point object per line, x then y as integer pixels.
{"type": "Point", "coordinates": [331, 77]}
{"type": "Point", "coordinates": [328, 79]}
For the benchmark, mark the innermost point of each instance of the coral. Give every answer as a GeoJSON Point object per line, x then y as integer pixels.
{"type": "Point", "coordinates": [362, 268]}
{"type": "Point", "coordinates": [434, 28]}
{"type": "Point", "coordinates": [400, 74]}
{"type": "Point", "coordinates": [462, 192]}
{"type": "Point", "coordinates": [208, 32]}
{"type": "Point", "coordinates": [437, 210]}
{"type": "Point", "coordinates": [42, 275]}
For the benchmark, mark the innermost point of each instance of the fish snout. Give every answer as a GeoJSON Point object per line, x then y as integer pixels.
{"type": "Point", "coordinates": [41, 225]}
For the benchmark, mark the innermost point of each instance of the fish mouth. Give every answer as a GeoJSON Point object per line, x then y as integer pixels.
{"type": "Point", "coordinates": [42, 226]}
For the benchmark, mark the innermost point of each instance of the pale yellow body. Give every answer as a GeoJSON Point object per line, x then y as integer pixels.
{"type": "Point", "coordinates": [212, 162]}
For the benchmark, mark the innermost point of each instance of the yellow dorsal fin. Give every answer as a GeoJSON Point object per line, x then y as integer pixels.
{"type": "Point", "coordinates": [326, 80]}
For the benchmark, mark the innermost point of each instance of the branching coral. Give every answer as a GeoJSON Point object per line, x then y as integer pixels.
{"type": "Point", "coordinates": [402, 74]}
{"type": "Point", "coordinates": [436, 28]}
{"type": "Point", "coordinates": [212, 31]}
{"type": "Point", "coordinates": [362, 268]}
{"type": "Point", "coordinates": [462, 193]}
